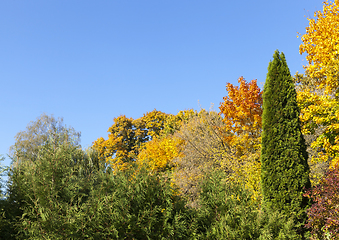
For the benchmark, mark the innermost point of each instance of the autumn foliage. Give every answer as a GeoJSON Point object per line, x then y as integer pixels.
{"type": "Point", "coordinates": [126, 136]}
{"type": "Point", "coordinates": [242, 112]}
{"type": "Point", "coordinates": [204, 149]}
{"type": "Point", "coordinates": [321, 45]}
{"type": "Point", "coordinates": [159, 154]}
{"type": "Point", "coordinates": [318, 99]}
{"type": "Point", "coordinates": [323, 216]}
{"type": "Point", "coordinates": [321, 110]}
{"type": "Point", "coordinates": [318, 96]}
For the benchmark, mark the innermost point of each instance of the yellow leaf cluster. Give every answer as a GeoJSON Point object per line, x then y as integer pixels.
{"type": "Point", "coordinates": [318, 95]}
{"type": "Point", "coordinates": [320, 110]}
{"type": "Point", "coordinates": [154, 122]}
{"type": "Point", "coordinates": [159, 153]}
{"type": "Point", "coordinates": [320, 42]}
{"type": "Point", "coordinates": [116, 151]}
{"type": "Point", "coordinates": [250, 174]}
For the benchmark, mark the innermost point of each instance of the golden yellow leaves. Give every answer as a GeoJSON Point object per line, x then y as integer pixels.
{"type": "Point", "coordinates": [318, 98]}
{"type": "Point", "coordinates": [153, 122]}
{"type": "Point", "coordinates": [127, 136]}
{"type": "Point", "coordinates": [159, 153]}
{"type": "Point", "coordinates": [321, 44]}
{"type": "Point", "coordinates": [319, 117]}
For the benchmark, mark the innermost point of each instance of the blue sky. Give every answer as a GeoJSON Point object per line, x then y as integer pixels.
{"type": "Point", "coordinates": [91, 61]}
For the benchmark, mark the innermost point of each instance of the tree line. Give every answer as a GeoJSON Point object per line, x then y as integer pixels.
{"type": "Point", "coordinates": [264, 166]}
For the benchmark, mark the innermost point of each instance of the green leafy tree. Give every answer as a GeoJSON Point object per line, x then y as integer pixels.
{"type": "Point", "coordinates": [52, 189]}
{"type": "Point", "coordinates": [4, 223]}
{"type": "Point", "coordinates": [67, 199]}
{"type": "Point", "coordinates": [48, 193]}
{"type": "Point", "coordinates": [284, 167]}
{"type": "Point", "coordinates": [30, 146]}
{"type": "Point", "coordinates": [37, 133]}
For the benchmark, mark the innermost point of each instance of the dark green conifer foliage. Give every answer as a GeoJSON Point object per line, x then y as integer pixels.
{"type": "Point", "coordinates": [284, 167]}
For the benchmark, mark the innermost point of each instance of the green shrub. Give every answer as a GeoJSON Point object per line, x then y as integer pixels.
{"type": "Point", "coordinates": [129, 205]}
{"type": "Point", "coordinates": [63, 195]}
{"type": "Point", "coordinates": [228, 212]}
{"type": "Point", "coordinates": [50, 192]}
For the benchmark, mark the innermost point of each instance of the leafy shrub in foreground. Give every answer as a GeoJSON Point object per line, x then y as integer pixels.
{"type": "Point", "coordinates": [50, 191]}
{"type": "Point", "coordinates": [60, 197]}
{"type": "Point", "coordinates": [129, 205]}
{"type": "Point", "coordinates": [228, 212]}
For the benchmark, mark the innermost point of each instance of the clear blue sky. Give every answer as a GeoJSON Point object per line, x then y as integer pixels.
{"type": "Point", "coordinates": [91, 61]}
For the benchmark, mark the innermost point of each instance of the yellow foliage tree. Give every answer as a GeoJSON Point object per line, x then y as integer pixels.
{"type": "Point", "coordinates": [174, 122]}
{"type": "Point", "coordinates": [158, 154]}
{"type": "Point", "coordinates": [319, 114]}
{"type": "Point", "coordinates": [126, 137]}
{"type": "Point", "coordinates": [153, 122]}
{"type": "Point", "coordinates": [321, 43]}
{"type": "Point", "coordinates": [318, 89]}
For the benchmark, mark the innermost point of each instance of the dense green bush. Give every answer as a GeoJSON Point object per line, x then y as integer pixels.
{"type": "Point", "coordinates": [50, 191]}
{"type": "Point", "coordinates": [5, 226]}
{"type": "Point", "coordinates": [64, 194]}
{"type": "Point", "coordinates": [129, 205]}
{"type": "Point", "coordinates": [228, 212]}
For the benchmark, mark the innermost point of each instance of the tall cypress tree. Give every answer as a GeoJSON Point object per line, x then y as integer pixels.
{"type": "Point", "coordinates": [284, 167]}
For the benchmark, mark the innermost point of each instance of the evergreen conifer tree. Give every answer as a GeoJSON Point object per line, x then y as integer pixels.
{"type": "Point", "coordinates": [284, 167]}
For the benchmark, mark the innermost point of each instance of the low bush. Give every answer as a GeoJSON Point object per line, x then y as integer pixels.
{"type": "Point", "coordinates": [129, 205]}
{"type": "Point", "coordinates": [227, 211]}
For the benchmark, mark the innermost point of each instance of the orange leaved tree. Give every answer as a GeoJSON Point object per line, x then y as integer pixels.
{"type": "Point", "coordinates": [241, 111]}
